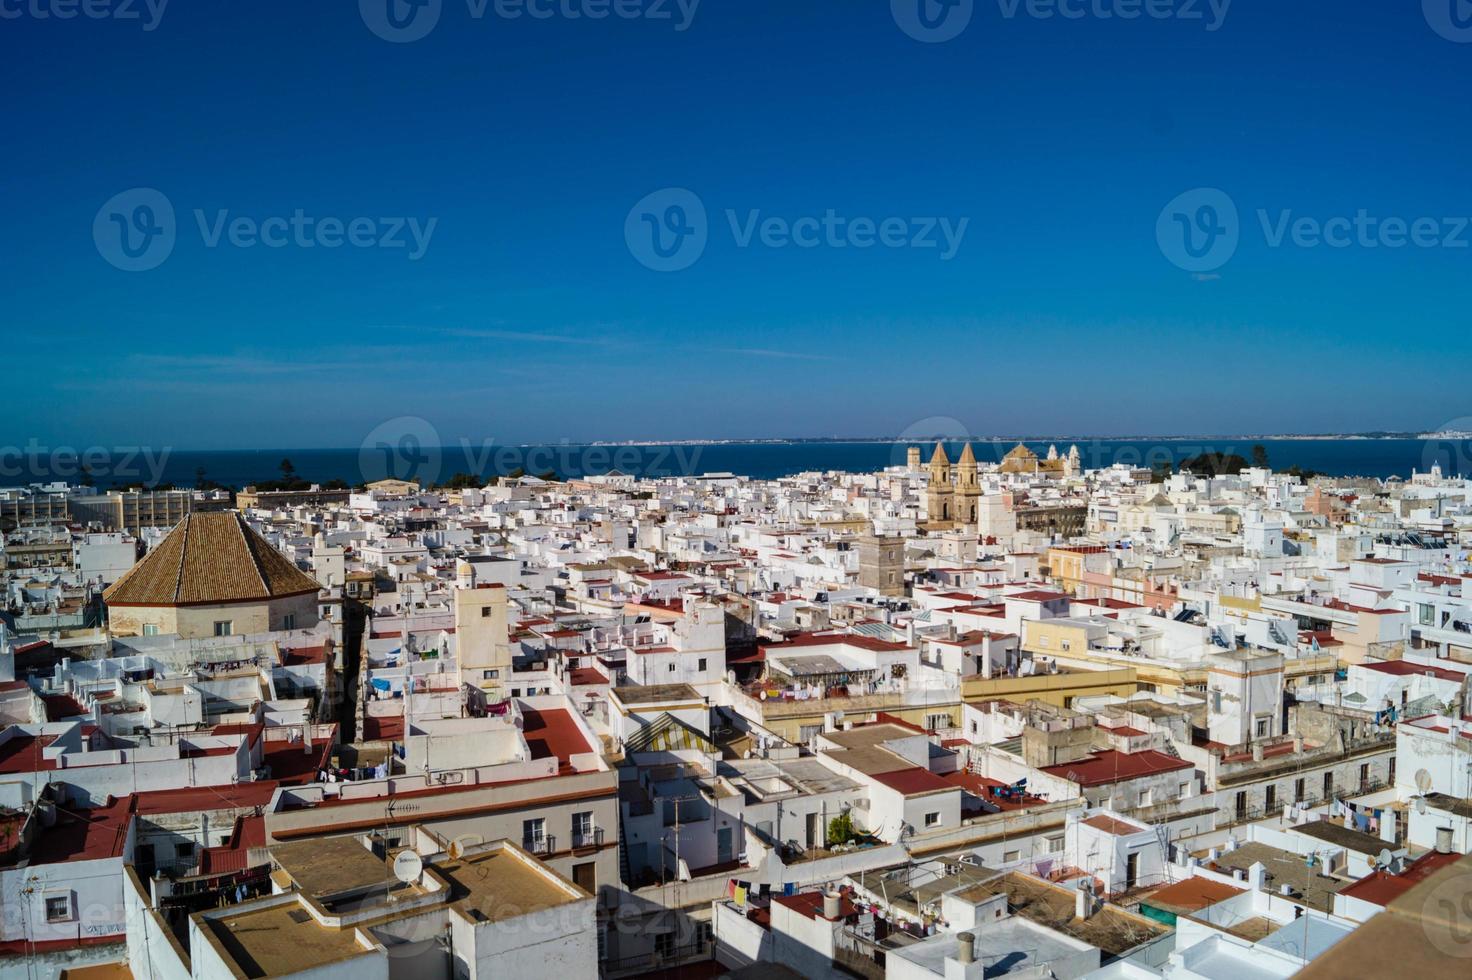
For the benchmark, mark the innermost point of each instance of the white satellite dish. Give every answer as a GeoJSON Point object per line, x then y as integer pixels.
{"type": "Point", "coordinates": [456, 850]}
{"type": "Point", "coordinates": [1423, 780]}
{"type": "Point", "coordinates": [408, 866]}
{"type": "Point", "coordinates": [1384, 858]}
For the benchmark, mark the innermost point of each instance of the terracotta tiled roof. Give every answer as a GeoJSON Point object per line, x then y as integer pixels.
{"type": "Point", "coordinates": [210, 558]}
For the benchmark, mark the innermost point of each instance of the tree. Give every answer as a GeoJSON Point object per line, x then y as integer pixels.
{"type": "Point", "coordinates": [288, 471]}
{"type": "Point", "coordinates": [1214, 464]}
{"type": "Point", "coordinates": [1260, 457]}
{"type": "Point", "coordinates": [840, 829]}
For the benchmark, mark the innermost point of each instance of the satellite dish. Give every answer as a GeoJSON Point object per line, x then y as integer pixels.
{"type": "Point", "coordinates": [408, 866]}
{"type": "Point", "coordinates": [1385, 857]}
{"type": "Point", "coordinates": [1423, 780]}
{"type": "Point", "coordinates": [456, 850]}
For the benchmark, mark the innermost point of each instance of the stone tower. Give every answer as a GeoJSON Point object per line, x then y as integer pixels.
{"type": "Point", "coordinates": [1073, 466]}
{"type": "Point", "coordinates": [939, 494]}
{"type": "Point", "coordinates": [968, 488]}
{"type": "Point", "coordinates": [882, 564]}
{"type": "Point", "coordinates": [912, 459]}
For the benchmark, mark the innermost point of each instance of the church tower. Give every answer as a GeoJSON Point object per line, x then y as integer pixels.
{"type": "Point", "coordinates": [939, 496]}
{"type": "Point", "coordinates": [968, 488]}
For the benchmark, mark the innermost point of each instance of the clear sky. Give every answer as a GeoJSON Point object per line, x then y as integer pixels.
{"type": "Point", "coordinates": [528, 310]}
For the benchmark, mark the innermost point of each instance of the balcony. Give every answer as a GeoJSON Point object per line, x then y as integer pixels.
{"type": "Point", "coordinates": [540, 846]}
{"type": "Point", "coordinates": [587, 840]}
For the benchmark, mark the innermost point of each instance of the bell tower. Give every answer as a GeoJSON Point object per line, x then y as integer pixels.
{"type": "Point", "coordinates": [939, 495]}
{"type": "Point", "coordinates": [968, 489]}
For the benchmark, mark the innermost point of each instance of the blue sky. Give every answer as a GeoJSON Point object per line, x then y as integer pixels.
{"type": "Point", "coordinates": [527, 142]}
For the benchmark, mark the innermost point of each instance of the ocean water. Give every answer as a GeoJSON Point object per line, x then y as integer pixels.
{"type": "Point", "coordinates": [407, 459]}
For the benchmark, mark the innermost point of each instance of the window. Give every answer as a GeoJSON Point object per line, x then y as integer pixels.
{"type": "Point", "coordinates": [150, 629]}
{"type": "Point", "coordinates": [932, 819]}
{"type": "Point", "coordinates": [224, 627]}
{"type": "Point", "coordinates": [664, 944]}
{"type": "Point", "coordinates": [1055, 843]}
{"type": "Point", "coordinates": [1298, 790]}
{"type": "Point", "coordinates": [1011, 857]}
{"type": "Point", "coordinates": [700, 664]}
{"type": "Point", "coordinates": [1364, 775]}
{"type": "Point", "coordinates": [1272, 798]}
{"type": "Point", "coordinates": [184, 850]}
{"type": "Point", "coordinates": [671, 668]}
{"type": "Point", "coordinates": [533, 833]}
{"type": "Point", "coordinates": [491, 675]}
{"type": "Point", "coordinates": [59, 908]}
{"type": "Point", "coordinates": [485, 612]}
{"type": "Point", "coordinates": [288, 622]}
{"type": "Point", "coordinates": [1261, 727]}
{"type": "Point", "coordinates": [1328, 785]}
{"type": "Point", "coordinates": [1427, 614]}
{"type": "Point", "coordinates": [582, 829]}
{"type": "Point", "coordinates": [937, 722]}
{"type": "Point", "coordinates": [1067, 645]}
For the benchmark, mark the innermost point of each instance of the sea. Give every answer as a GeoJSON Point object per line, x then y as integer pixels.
{"type": "Point", "coordinates": [406, 458]}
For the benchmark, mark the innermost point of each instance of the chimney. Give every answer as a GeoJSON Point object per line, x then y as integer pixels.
{"type": "Point", "coordinates": [832, 905]}
{"type": "Point", "coordinates": [965, 948]}
{"type": "Point", "coordinates": [1443, 840]}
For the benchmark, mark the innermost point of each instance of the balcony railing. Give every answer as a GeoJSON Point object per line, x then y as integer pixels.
{"type": "Point", "coordinates": [592, 837]}
{"type": "Point", "coordinates": [544, 845]}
